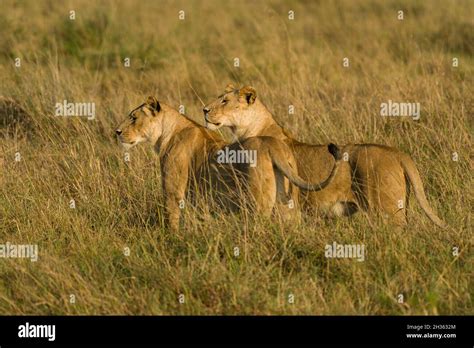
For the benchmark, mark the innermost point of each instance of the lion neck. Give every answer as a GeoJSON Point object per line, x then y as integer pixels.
{"type": "Point", "coordinates": [172, 122]}
{"type": "Point", "coordinates": [259, 122]}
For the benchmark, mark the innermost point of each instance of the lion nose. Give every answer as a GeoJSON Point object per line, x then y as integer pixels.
{"type": "Point", "coordinates": [206, 110]}
{"type": "Point", "coordinates": [118, 131]}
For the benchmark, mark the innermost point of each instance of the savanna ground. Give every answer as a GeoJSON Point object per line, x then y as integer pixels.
{"type": "Point", "coordinates": [82, 251]}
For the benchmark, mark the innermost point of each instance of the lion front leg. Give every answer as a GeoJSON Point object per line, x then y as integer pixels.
{"type": "Point", "coordinates": [262, 186]}
{"type": "Point", "coordinates": [174, 183]}
{"type": "Point", "coordinates": [172, 212]}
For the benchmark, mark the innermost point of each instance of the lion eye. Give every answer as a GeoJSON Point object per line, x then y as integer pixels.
{"type": "Point", "coordinates": [224, 101]}
{"type": "Point", "coordinates": [133, 118]}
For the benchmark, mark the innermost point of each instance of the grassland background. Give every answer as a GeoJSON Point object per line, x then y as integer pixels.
{"type": "Point", "coordinates": [118, 204]}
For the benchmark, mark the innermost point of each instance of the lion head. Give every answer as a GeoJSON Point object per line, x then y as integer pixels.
{"type": "Point", "coordinates": [141, 125]}
{"type": "Point", "coordinates": [234, 107]}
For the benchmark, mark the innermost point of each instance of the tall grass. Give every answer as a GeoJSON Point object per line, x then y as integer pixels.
{"type": "Point", "coordinates": [299, 62]}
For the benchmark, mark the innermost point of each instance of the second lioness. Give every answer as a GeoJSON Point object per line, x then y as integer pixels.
{"type": "Point", "coordinates": [374, 179]}
{"type": "Point", "coordinates": [187, 154]}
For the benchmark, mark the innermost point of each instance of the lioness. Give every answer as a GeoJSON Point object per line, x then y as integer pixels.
{"type": "Point", "coordinates": [188, 152]}
{"type": "Point", "coordinates": [377, 176]}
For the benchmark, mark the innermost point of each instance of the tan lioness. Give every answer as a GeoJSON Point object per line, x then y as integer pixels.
{"type": "Point", "coordinates": [189, 159]}
{"type": "Point", "coordinates": [377, 176]}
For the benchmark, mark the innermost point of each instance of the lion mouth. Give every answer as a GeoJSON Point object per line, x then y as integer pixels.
{"type": "Point", "coordinates": [213, 123]}
{"type": "Point", "coordinates": [128, 144]}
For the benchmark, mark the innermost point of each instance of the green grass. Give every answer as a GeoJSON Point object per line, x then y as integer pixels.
{"type": "Point", "coordinates": [118, 204]}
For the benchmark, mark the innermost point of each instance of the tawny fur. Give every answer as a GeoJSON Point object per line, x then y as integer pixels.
{"type": "Point", "coordinates": [374, 177]}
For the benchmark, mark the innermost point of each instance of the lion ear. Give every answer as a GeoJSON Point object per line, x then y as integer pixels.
{"type": "Point", "coordinates": [153, 103]}
{"type": "Point", "coordinates": [249, 93]}
{"type": "Point", "coordinates": [229, 88]}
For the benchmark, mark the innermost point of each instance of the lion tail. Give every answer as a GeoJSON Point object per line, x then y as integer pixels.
{"type": "Point", "coordinates": [415, 179]}
{"type": "Point", "coordinates": [285, 167]}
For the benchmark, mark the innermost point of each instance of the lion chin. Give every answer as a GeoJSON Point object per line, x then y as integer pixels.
{"type": "Point", "coordinates": [212, 126]}
{"type": "Point", "coordinates": [128, 146]}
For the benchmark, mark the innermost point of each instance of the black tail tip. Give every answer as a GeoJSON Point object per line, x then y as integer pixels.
{"type": "Point", "coordinates": [335, 151]}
